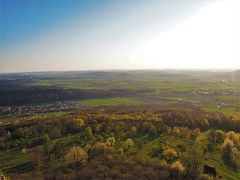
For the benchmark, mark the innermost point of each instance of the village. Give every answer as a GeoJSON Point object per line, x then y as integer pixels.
{"type": "Point", "coordinates": [32, 109]}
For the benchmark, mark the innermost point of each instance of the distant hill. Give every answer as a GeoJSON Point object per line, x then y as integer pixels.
{"type": "Point", "coordinates": [205, 75]}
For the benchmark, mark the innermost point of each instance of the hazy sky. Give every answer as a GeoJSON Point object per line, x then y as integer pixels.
{"type": "Point", "coordinates": [119, 34]}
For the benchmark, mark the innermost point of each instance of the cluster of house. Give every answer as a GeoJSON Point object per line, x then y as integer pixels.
{"type": "Point", "coordinates": [31, 109]}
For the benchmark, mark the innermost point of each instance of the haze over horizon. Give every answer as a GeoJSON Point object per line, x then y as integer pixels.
{"type": "Point", "coordinates": [100, 35]}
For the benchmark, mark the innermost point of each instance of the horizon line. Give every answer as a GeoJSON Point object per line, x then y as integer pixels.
{"type": "Point", "coordinates": [150, 69]}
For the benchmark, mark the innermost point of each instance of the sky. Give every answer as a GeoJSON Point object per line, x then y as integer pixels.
{"type": "Point", "coordinates": [57, 35]}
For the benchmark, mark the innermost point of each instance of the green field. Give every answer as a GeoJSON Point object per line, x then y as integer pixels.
{"type": "Point", "coordinates": [226, 110]}
{"type": "Point", "coordinates": [111, 102]}
{"type": "Point", "coordinates": [205, 94]}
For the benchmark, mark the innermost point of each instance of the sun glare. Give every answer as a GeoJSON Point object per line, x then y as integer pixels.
{"type": "Point", "coordinates": [209, 39]}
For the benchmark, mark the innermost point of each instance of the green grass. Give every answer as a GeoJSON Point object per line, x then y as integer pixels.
{"type": "Point", "coordinates": [226, 110]}
{"type": "Point", "coordinates": [135, 83]}
{"type": "Point", "coordinates": [172, 90]}
{"type": "Point", "coordinates": [66, 83]}
{"type": "Point", "coordinates": [12, 159]}
{"type": "Point", "coordinates": [111, 102]}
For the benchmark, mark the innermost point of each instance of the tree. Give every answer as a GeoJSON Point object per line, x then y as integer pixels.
{"type": "Point", "coordinates": [149, 128]}
{"type": "Point", "coordinates": [100, 151]}
{"type": "Point", "coordinates": [56, 132]}
{"type": "Point", "coordinates": [48, 149]}
{"type": "Point", "coordinates": [3, 175]}
{"type": "Point", "coordinates": [24, 150]}
{"type": "Point", "coordinates": [235, 154]}
{"type": "Point", "coordinates": [234, 137]}
{"type": "Point", "coordinates": [97, 127]}
{"type": "Point", "coordinates": [178, 170]}
{"type": "Point", "coordinates": [192, 166]}
{"type": "Point", "coordinates": [227, 151]}
{"type": "Point", "coordinates": [152, 129]}
{"type": "Point", "coordinates": [25, 132]}
{"type": "Point", "coordinates": [170, 154]}
{"type": "Point", "coordinates": [78, 124]}
{"type": "Point", "coordinates": [45, 138]}
{"type": "Point", "coordinates": [214, 137]}
{"type": "Point", "coordinates": [219, 136]}
{"type": "Point", "coordinates": [129, 143]}
{"type": "Point", "coordinates": [133, 129]}
{"type": "Point", "coordinates": [88, 132]}
{"type": "Point", "coordinates": [176, 131]}
{"type": "Point", "coordinates": [185, 132]}
{"type": "Point", "coordinates": [36, 157]}
{"type": "Point", "coordinates": [110, 141]}
{"type": "Point", "coordinates": [196, 132]}
{"type": "Point", "coordinates": [76, 156]}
